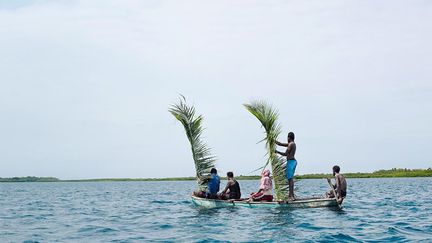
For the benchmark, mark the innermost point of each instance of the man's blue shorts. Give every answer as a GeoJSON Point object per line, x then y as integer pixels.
{"type": "Point", "coordinates": [290, 168]}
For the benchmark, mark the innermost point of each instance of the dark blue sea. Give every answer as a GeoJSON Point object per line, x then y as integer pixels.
{"type": "Point", "coordinates": [384, 210]}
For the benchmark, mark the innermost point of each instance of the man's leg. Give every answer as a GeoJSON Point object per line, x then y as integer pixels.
{"type": "Point", "coordinates": [199, 194]}
{"type": "Point", "coordinates": [291, 166]}
{"type": "Point", "coordinates": [257, 196]}
{"type": "Point", "coordinates": [291, 188]}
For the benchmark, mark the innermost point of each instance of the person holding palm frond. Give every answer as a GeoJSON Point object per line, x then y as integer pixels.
{"type": "Point", "coordinates": [291, 162]}
{"type": "Point", "coordinates": [267, 115]}
{"type": "Point", "coordinates": [206, 175]}
{"type": "Point", "coordinates": [213, 184]}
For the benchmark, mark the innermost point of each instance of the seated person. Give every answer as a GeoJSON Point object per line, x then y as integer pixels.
{"type": "Point", "coordinates": [212, 186]}
{"type": "Point", "coordinates": [340, 185]}
{"type": "Point", "coordinates": [232, 188]}
{"type": "Point", "coordinates": [265, 192]}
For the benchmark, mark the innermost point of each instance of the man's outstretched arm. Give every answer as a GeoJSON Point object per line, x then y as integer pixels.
{"type": "Point", "coordinates": [283, 154]}
{"type": "Point", "coordinates": [281, 144]}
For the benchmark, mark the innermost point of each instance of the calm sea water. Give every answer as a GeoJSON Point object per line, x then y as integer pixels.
{"type": "Point", "coordinates": [376, 210]}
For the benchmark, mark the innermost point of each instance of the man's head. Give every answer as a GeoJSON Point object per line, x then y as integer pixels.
{"type": "Point", "coordinates": [336, 169]}
{"type": "Point", "coordinates": [291, 136]}
{"type": "Point", "coordinates": [213, 171]}
{"type": "Point", "coordinates": [230, 174]}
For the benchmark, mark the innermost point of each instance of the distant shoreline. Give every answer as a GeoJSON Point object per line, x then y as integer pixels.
{"type": "Point", "coordinates": [392, 173]}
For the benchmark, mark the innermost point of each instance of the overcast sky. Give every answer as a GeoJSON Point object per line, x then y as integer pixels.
{"type": "Point", "coordinates": [85, 85]}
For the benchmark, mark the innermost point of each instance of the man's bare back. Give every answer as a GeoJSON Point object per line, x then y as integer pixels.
{"type": "Point", "coordinates": [341, 185]}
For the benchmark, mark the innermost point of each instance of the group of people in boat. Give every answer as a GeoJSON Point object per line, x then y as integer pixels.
{"type": "Point", "coordinates": [265, 193]}
{"type": "Point", "coordinates": [232, 189]}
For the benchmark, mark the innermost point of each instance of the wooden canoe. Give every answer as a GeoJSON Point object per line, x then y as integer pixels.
{"type": "Point", "coordinates": [298, 203]}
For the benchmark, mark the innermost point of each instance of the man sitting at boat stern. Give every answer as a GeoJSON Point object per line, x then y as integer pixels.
{"type": "Point", "coordinates": [340, 185]}
{"type": "Point", "coordinates": [232, 188]}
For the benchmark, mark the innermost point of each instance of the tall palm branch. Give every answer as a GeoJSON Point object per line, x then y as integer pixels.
{"type": "Point", "coordinates": [268, 117]}
{"type": "Point", "coordinates": [202, 157]}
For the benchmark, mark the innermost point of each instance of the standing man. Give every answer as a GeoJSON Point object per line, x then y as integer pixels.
{"type": "Point", "coordinates": [291, 162]}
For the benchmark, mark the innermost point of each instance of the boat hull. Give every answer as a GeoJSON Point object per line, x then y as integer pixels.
{"type": "Point", "coordinates": [299, 203]}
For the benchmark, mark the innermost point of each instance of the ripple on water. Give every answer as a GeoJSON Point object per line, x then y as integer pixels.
{"type": "Point", "coordinates": [207, 239]}
{"type": "Point", "coordinates": [162, 202]}
{"type": "Point", "coordinates": [96, 229]}
{"type": "Point", "coordinates": [106, 230]}
{"type": "Point", "coordinates": [165, 226]}
{"type": "Point", "coordinates": [340, 237]}
{"type": "Point", "coordinates": [308, 226]}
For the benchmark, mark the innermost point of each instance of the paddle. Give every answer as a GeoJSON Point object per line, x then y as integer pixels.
{"type": "Point", "coordinates": [334, 192]}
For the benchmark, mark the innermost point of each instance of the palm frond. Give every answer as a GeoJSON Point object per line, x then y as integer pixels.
{"type": "Point", "coordinates": [201, 153]}
{"type": "Point", "coordinates": [268, 117]}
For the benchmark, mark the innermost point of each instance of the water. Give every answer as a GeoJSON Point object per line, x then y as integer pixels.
{"type": "Point", "coordinates": [376, 210]}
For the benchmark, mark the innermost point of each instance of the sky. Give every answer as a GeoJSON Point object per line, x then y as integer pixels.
{"type": "Point", "coordinates": [85, 86]}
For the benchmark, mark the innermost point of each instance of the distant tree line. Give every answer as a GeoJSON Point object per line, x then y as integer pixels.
{"type": "Point", "coordinates": [395, 172]}
{"type": "Point", "coordinates": [29, 179]}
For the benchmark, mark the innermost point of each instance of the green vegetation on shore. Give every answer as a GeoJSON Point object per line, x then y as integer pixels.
{"type": "Point", "coordinates": [255, 177]}
{"type": "Point", "coordinates": [134, 179]}
{"type": "Point", "coordinates": [29, 179]}
{"type": "Point", "coordinates": [376, 174]}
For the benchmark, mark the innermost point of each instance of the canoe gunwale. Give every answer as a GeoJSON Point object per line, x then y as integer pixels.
{"type": "Point", "coordinates": [299, 203]}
